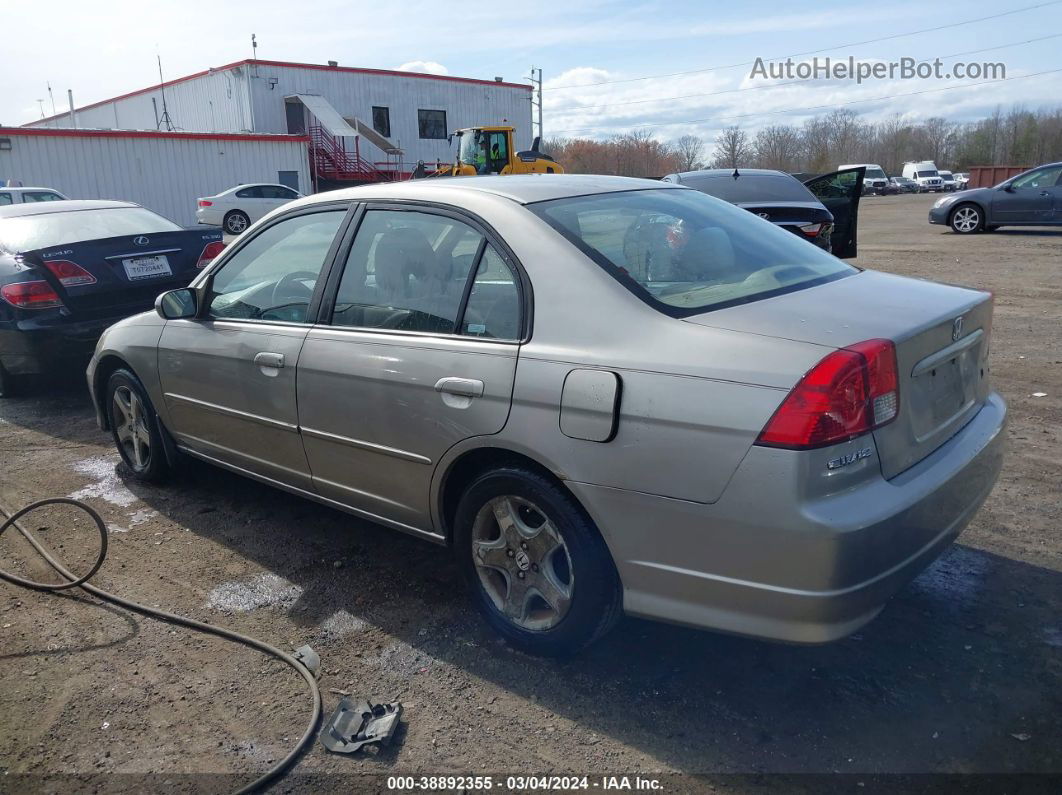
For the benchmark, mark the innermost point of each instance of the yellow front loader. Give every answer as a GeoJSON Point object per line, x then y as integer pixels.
{"type": "Point", "coordinates": [489, 150]}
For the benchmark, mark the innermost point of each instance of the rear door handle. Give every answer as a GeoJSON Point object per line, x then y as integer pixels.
{"type": "Point", "coordinates": [267, 359]}
{"type": "Point", "coordinates": [1044, 193]}
{"type": "Point", "coordinates": [465, 387]}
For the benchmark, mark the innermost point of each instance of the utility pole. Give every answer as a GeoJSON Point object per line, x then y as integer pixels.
{"type": "Point", "coordinates": [536, 88]}
{"type": "Point", "coordinates": [252, 72]}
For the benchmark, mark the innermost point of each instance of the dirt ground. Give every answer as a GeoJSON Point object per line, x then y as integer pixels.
{"type": "Point", "coordinates": [962, 672]}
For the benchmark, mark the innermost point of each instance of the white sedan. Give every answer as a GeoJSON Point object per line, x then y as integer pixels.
{"type": "Point", "coordinates": [237, 208]}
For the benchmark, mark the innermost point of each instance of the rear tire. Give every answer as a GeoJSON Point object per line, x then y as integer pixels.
{"type": "Point", "coordinates": [966, 219]}
{"type": "Point", "coordinates": [537, 566]}
{"type": "Point", "coordinates": [135, 428]}
{"type": "Point", "coordinates": [236, 222]}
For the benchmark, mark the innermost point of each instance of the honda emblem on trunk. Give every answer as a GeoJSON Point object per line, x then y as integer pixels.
{"type": "Point", "coordinates": [764, 215]}
{"type": "Point", "coordinates": [140, 240]}
{"type": "Point", "coordinates": [956, 328]}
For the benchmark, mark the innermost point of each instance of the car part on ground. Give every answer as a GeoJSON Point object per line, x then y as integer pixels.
{"type": "Point", "coordinates": [597, 360]}
{"type": "Point", "coordinates": [357, 722]}
{"type": "Point", "coordinates": [13, 519]}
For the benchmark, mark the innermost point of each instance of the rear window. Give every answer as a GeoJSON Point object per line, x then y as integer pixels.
{"type": "Point", "coordinates": [683, 252]}
{"type": "Point", "coordinates": [30, 232]}
{"type": "Point", "coordinates": [751, 188]}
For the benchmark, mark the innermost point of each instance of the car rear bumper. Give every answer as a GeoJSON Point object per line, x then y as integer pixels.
{"type": "Point", "coordinates": [211, 216]}
{"type": "Point", "coordinates": [765, 561]}
{"type": "Point", "coordinates": [36, 346]}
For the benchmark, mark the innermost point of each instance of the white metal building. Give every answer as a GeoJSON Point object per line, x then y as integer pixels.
{"type": "Point", "coordinates": [411, 111]}
{"type": "Point", "coordinates": [164, 171]}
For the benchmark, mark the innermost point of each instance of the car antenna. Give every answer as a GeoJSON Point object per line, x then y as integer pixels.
{"type": "Point", "coordinates": [736, 174]}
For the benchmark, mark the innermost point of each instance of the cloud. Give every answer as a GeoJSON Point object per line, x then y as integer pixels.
{"type": "Point", "coordinates": [431, 67]}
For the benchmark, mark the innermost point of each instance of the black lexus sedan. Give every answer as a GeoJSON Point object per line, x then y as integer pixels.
{"type": "Point", "coordinates": [69, 269]}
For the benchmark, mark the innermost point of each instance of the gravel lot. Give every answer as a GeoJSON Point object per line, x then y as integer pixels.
{"type": "Point", "coordinates": [960, 674]}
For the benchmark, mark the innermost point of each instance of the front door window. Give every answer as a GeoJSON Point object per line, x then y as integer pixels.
{"type": "Point", "coordinates": [272, 277]}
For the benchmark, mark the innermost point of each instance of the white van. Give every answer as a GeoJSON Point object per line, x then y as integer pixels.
{"type": "Point", "coordinates": [875, 181]}
{"type": "Point", "coordinates": [925, 173]}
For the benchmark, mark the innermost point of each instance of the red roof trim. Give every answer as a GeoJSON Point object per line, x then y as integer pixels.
{"type": "Point", "coordinates": [289, 64]}
{"type": "Point", "coordinates": [182, 136]}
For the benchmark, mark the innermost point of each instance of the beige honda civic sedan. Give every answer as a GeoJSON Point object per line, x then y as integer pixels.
{"type": "Point", "coordinates": [606, 395]}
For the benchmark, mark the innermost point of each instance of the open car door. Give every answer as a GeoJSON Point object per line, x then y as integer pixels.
{"type": "Point", "coordinates": [840, 192]}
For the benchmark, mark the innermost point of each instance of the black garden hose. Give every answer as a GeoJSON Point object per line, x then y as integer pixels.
{"type": "Point", "coordinates": [72, 581]}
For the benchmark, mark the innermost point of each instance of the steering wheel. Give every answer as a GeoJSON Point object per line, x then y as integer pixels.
{"type": "Point", "coordinates": [291, 280]}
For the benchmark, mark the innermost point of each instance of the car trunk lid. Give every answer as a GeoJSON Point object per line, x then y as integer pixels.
{"type": "Point", "coordinates": [941, 333]}
{"type": "Point", "coordinates": [124, 274]}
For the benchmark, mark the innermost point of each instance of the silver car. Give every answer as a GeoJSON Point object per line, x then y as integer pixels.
{"type": "Point", "coordinates": [606, 395]}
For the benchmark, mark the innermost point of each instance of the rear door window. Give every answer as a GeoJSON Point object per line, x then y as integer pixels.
{"type": "Point", "coordinates": [426, 272]}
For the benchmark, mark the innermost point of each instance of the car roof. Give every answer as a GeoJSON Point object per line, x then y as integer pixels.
{"type": "Point", "coordinates": [520, 188]}
{"type": "Point", "coordinates": [26, 187]}
{"type": "Point", "coordinates": [719, 173]}
{"type": "Point", "coordinates": [63, 206]}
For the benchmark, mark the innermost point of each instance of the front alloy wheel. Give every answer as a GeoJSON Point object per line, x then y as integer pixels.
{"type": "Point", "coordinates": [135, 427]}
{"type": "Point", "coordinates": [966, 219]}
{"type": "Point", "coordinates": [522, 562]}
{"type": "Point", "coordinates": [130, 428]}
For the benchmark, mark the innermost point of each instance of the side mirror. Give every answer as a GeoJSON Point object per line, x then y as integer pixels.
{"type": "Point", "coordinates": [1009, 188]}
{"type": "Point", "coordinates": [177, 304]}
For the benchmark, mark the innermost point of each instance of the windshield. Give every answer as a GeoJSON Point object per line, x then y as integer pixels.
{"type": "Point", "coordinates": [30, 232]}
{"type": "Point", "coordinates": [875, 173]}
{"type": "Point", "coordinates": [750, 187]}
{"type": "Point", "coordinates": [683, 252]}
{"type": "Point", "coordinates": [928, 174]}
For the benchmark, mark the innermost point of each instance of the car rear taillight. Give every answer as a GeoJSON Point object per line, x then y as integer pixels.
{"type": "Point", "coordinates": [68, 273]}
{"type": "Point", "coordinates": [812, 230]}
{"type": "Point", "coordinates": [852, 391]}
{"type": "Point", "coordinates": [30, 295]}
{"type": "Point", "coordinates": [210, 251]}
{"type": "Point", "coordinates": [205, 203]}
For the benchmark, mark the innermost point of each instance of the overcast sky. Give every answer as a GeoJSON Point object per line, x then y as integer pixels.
{"type": "Point", "coordinates": [108, 47]}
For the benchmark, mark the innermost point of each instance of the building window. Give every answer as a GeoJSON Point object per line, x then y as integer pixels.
{"type": "Point", "coordinates": [381, 120]}
{"type": "Point", "coordinates": [432, 123]}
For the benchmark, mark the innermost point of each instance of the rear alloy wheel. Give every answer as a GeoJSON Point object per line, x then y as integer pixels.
{"type": "Point", "coordinates": [135, 428]}
{"type": "Point", "coordinates": [966, 219]}
{"type": "Point", "coordinates": [536, 565]}
{"type": "Point", "coordinates": [236, 222]}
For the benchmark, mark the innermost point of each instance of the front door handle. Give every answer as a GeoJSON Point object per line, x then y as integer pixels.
{"type": "Point", "coordinates": [267, 359]}
{"type": "Point", "coordinates": [1044, 193]}
{"type": "Point", "coordinates": [464, 387]}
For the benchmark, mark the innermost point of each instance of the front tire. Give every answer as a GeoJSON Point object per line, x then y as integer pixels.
{"type": "Point", "coordinates": [135, 428]}
{"type": "Point", "coordinates": [966, 219]}
{"type": "Point", "coordinates": [236, 222]}
{"type": "Point", "coordinates": [537, 567]}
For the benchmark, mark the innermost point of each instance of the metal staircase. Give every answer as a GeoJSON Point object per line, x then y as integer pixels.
{"type": "Point", "coordinates": [331, 160]}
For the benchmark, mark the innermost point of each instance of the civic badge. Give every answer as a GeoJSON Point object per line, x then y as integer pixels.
{"type": "Point", "coordinates": [956, 328]}
{"type": "Point", "coordinates": [140, 240]}
{"type": "Point", "coordinates": [764, 215]}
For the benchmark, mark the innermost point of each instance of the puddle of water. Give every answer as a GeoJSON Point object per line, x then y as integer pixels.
{"type": "Point", "coordinates": [265, 590]}
{"type": "Point", "coordinates": [107, 486]}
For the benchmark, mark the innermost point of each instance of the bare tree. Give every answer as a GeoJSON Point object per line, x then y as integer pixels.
{"type": "Point", "coordinates": [778, 147]}
{"type": "Point", "coordinates": [689, 150]}
{"type": "Point", "coordinates": [732, 148]}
